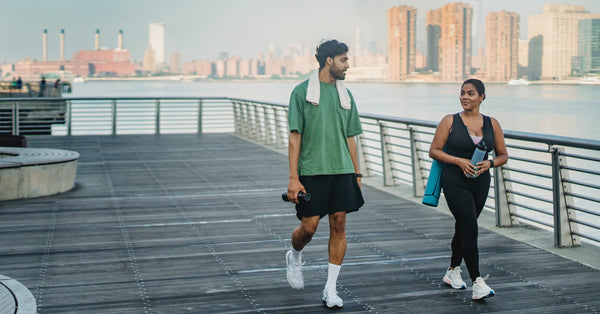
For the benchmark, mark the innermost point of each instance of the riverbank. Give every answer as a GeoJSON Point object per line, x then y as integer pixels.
{"type": "Point", "coordinates": [193, 78]}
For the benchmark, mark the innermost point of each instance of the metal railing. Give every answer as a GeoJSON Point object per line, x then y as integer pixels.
{"type": "Point", "coordinates": [551, 182]}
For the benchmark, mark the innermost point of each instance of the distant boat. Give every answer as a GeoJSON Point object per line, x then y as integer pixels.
{"type": "Point", "coordinates": [518, 82]}
{"type": "Point", "coordinates": [590, 80]}
{"type": "Point", "coordinates": [78, 80]}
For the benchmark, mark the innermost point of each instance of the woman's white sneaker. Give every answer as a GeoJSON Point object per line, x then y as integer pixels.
{"type": "Point", "coordinates": [331, 299]}
{"type": "Point", "coordinates": [481, 290]}
{"type": "Point", "coordinates": [454, 279]}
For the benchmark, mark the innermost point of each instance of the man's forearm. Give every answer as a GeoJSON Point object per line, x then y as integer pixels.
{"type": "Point", "coordinates": [295, 140]}
{"type": "Point", "coordinates": [353, 153]}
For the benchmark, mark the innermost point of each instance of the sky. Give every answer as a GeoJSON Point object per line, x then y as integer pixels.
{"type": "Point", "coordinates": [201, 29]}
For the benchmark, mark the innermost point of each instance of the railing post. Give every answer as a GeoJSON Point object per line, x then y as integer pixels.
{"type": "Point", "coordinates": [362, 156]}
{"type": "Point", "coordinates": [248, 121]}
{"type": "Point", "coordinates": [200, 116]}
{"type": "Point", "coordinates": [257, 129]}
{"type": "Point", "coordinates": [388, 175]}
{"type": "Point", "coordinates": [278, 131]}
{"type": "Point", "coordinates": [245, 122]}
{"type": "Point", "coordinates": [268, 140]}
{"type": "Point", "coordinates": [69, 118]}
{"type": "Point", "coordinates": [503, 200]}
{"type": "Point", "coordinates": [16, 128]}
{"type": "Point", "coordinates": [114, 116]}
{"type": "Point", "coordinates": [237, 123]}
{"type": "Point", "coordinates": [157, 119]}
{"type": "Point", "coordinates": [563, 228]}
{"type": "Point", "coordinates": [417, 172]}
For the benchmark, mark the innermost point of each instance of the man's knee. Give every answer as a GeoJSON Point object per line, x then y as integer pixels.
{"type": "Point", "coordinates": [337, 222]}
{"type": "Point", "coordinates": [308, 228]}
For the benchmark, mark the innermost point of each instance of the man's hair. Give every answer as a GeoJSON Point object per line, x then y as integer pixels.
{"type": "Point", "coordinates": [330, 48]}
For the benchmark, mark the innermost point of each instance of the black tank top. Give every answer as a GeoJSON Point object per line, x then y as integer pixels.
{"type": "Point", "coordinates": [459, 142]}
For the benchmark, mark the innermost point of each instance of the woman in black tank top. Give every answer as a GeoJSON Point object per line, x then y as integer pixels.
{"type": "Point", "coordinates": [466, 185]}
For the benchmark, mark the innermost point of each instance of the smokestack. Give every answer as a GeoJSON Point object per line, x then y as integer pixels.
{"type": "Point", "coordinates": [120, 47]}
{"type": "Point", "coordinates": [45, 45]}
{"type": "Point", "coordinates": [97, 45]}
{"type": "Point", "coordinates": [62, 44]}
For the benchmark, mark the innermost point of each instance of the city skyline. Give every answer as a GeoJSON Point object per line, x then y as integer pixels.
{"type": "Point", "coordinates": [203, 29]}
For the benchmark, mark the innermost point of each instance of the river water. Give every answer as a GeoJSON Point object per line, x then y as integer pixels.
{"type": "Point", "coordinates": [564, 110]}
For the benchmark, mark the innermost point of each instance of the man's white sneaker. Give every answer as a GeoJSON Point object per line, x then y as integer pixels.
{"type": "Point", "coordinates": [454, 279]}
{"type": "Point", "coordinates": [294, 272]}
{"type": "Point", "coordinates": [481, 290]}
{"type": "Point", "coordinates": [331, 299]}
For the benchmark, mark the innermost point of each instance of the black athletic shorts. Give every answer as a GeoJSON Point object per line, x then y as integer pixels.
{"type": "Point", "coordinates": [330, 194]}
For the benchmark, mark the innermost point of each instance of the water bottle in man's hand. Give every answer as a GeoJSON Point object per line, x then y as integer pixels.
{"type": "Point", "coordinates": [478, 155]}
{"type": "Point", "coordinates": [302, 197]}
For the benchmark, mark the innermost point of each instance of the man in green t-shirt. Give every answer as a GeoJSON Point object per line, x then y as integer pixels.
{"type": "Point", "coordinates": [323, 121]}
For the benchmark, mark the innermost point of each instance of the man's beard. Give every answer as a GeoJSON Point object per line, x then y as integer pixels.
{"type": "Point", "coordinates": [337, 73]}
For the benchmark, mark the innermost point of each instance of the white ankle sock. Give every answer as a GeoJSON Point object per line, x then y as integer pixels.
{"type": "Point", "coordinates": [296, 255]}
{"type": "Point", "coordinates": [332, 273]}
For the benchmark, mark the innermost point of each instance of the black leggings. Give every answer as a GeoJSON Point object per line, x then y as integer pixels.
{"type": "Point", "coordinates": [466, 198]}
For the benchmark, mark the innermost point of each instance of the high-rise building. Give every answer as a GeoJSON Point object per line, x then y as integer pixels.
{"type": "Point", "coordinates": [420, 61]}
{"type": "Point", "coordinates": [523, 52]}
{"type": "Point", "coordinates": [149, 61]}
{"type": "Point", "coordinates": [157, 41]}
{"type": "Point", "coordinates": [454, 50]}
{"type": "Point", "coordinates": [434, 31]}
{"type": "Point", "coordinates": [523, 62]}
{"type": "Point", "coordinates": [175, 65]}
{"type": "Point", "coordinates": [502, 45]}
{"type": "Point", "coordinates": [401, 41]}
{"type": "Point", "coordinates": [478, 60]}
{"type": "Point", "coordinates": [556, 33]}
{"type": "Point", "coordinates": [589, 45]}
{"type": "Point", "coordinates": [232, 67]}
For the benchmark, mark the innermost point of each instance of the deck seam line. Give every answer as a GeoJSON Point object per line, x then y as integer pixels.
{"type": "Point", "coordinates": [45, 258]}
{"type": "Point", "coordinates": [128, 245]}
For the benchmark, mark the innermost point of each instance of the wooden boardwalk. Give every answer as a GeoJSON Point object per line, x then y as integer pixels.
{"type": "Point", "coordinates": [195, 224]}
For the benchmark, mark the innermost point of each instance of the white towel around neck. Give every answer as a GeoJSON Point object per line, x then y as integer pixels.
{"type": "Point", "coordinates": [313, 93]}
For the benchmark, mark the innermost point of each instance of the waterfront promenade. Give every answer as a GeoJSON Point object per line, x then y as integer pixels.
{"type": "Point", "coordinates": [195, 224]}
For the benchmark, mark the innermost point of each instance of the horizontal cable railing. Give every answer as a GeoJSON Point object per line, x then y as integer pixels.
{"type": "Point", "coordinates": [551, 182]}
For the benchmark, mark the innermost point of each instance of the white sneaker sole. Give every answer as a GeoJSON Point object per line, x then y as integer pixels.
{"type": "Point", "coordinates": [448, 282]}
{"type": "Point", "coordinates": [489, 295]}
{"type": "Point", "coordinates": [333, 307]}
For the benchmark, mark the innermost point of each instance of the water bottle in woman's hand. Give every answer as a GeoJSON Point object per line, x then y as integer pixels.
{"type": "Point", "coordinates": [478, 155]}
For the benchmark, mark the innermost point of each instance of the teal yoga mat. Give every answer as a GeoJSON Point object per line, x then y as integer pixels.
{"type": "Point", "coordinates": [433, 189]}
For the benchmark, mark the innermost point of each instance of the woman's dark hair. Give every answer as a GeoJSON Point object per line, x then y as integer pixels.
{"type": "Point", "coordinates": [330, 48]}
{"type": "Point", "coordinates": [479, 86]}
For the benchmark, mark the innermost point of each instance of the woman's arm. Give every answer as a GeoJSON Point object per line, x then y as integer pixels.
{"type": "Point", "coordinates": [500, 149]}
{"type": "Point", "coordinates": [501, 155]}
{"type": "Point", "coordinates": [436, 150]}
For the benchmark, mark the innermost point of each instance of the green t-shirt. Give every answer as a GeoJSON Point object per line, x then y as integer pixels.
{"type": "Point", "coordinates": [324, 129]}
